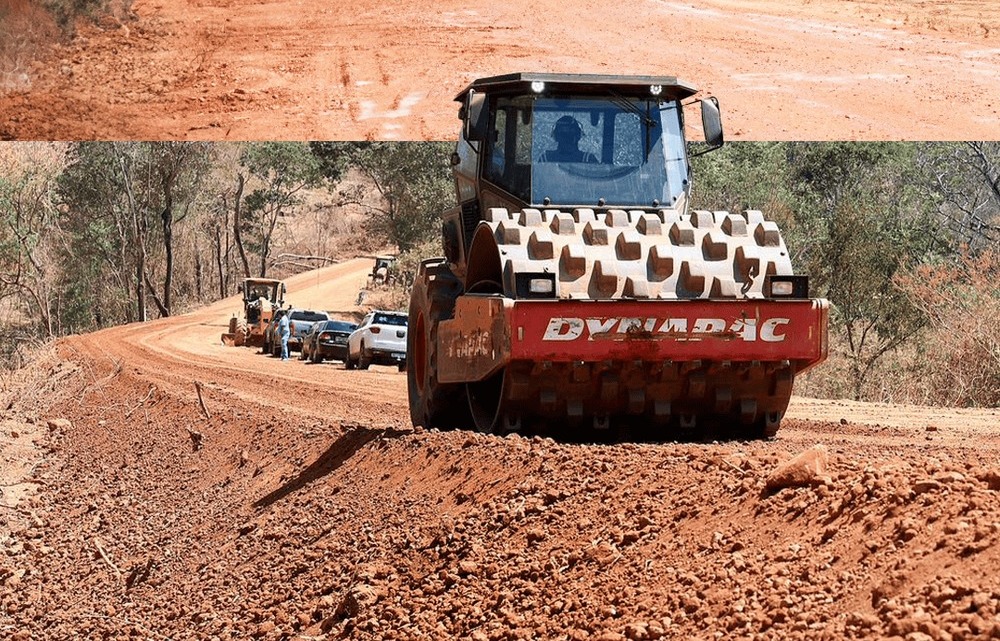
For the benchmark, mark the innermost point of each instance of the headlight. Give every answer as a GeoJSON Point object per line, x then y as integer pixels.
{"type": "Point", "coordinates": [786, 287]}
{"type": "Point", "coordinates": [541, 286]}
{"type": "Point", "coordinates": [536, 285]}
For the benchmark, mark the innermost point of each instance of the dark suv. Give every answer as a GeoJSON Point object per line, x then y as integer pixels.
{"type": "Point", "coordinates": [327, 340]}
{"type": "Point", "coordinates": [300, 321]}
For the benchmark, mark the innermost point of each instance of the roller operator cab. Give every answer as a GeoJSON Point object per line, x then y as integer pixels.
{"type": "Point", "coordinates": [577, 291]}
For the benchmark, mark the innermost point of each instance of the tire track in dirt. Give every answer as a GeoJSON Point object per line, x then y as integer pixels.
{"type": "Point", "coordinates": [276, 68]}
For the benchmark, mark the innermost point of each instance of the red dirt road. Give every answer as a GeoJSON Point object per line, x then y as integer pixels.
{"type": "Point", "coordinates": [301, 505]}
{"type": "Point", "coordinates": [289, 69]}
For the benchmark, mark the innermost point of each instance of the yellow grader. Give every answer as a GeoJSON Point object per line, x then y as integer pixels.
{"type": "Point", "coordinates": [261, 296]}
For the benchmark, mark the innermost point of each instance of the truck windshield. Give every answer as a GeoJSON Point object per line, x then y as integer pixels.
{"type": "Point", "coordinates": [590, 151]}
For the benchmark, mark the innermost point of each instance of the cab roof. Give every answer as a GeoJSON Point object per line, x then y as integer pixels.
{"type": "Point", "coordinates": [597, 84]}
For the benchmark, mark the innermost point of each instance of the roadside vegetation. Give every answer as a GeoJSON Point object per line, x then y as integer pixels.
{"type": "Point", "coordinates": [902, 238]}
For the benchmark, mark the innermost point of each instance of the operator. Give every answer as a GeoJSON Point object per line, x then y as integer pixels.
{"type": "Point", "coordinates": [567, 133]}
{"type": "Point", "coordinates": [285, 330]}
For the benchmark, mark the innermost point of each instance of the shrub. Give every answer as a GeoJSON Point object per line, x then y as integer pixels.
{"type": "Point", "coordinates": [67, 12]}
{"type": "Point", "coordinates": [960, 355]}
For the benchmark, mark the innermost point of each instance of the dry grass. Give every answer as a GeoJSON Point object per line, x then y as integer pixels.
{"type": "Point", "coordinates": [959, 361]}
{"type": "Point", "coordinates": [953, 362]}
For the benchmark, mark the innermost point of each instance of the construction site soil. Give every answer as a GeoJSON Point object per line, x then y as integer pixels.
{"type": "Point", "coordinates": [375, 70]}
{"type": "Point", "coordinates": [158, 485]}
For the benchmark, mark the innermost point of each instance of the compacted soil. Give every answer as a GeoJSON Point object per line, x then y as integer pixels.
{"type": "Point", "coordinates": [376, 70]}
{"type": "Point", "coordinates": [158, 485]}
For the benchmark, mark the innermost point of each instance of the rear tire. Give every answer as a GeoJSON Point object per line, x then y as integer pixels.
{"type": "Point", "coordinates": [242, 332]}
{"type": "Point", "coordinates": [432, 299]}
{"type": "Point", "coordinates": [317, 357]}
{"type": "Point", "coordinates": [365, 359]}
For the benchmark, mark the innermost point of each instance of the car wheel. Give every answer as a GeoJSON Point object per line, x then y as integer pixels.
{"type": "Point", "coordinates": [402, 366]}
{"type": "Point", "coordinates": [349, 362]}
{"type": "Point", "coordinates": [317, 356]}
{"type": "Point", "coordinates": [365, 360]}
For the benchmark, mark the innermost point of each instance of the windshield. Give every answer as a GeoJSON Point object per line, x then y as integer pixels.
{"type": "Point", "coordinates": [340, 326]}
{"type": "Point", "coordinates": [258, 290]}
{"type": "Point", "coordinates": [588, 151]}
{"type": "Point", "coordinates": [308, 316]}
{"type": "Point", "coordinates": [389, 319]}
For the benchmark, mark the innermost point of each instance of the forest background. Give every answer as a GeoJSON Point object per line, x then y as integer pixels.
{"type": "Point", "coordinates": [902, 238]}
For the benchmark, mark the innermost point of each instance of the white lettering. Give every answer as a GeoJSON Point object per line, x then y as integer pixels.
{"type": "Point", "coordinates": [476, 345]}
{"type": "Point", "coordinates": [635, 324]}
{"type": "Point", "coordinates": [600, 325]}
{"type": "Point", "coordinates": [709, 325]}
{"type": "Point", "coordinates": [769, 331]}
{"type": "Point", "coordinates": [674, 326]}
{"type": "Point", "coordinates": [748, 329]}
{"type": "Point", "coordinates": [745, 329]}
{"type": "Point", "coordinates": [564, 329]}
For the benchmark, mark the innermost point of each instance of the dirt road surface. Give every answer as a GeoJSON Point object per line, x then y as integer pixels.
{"type": "Point", "coordinates": [301, 504]}
{"type": "Point", "coordinates": [293, 69]}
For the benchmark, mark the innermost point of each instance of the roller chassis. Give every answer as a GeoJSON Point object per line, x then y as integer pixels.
{"type": "Point", "coordinates": [575, 320]}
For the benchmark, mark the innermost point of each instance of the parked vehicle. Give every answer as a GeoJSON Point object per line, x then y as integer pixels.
{"type": "Point", "coordinates": [300, 322]}
{"type": "Point", "coordinates": [384, 270]}
{"type": "Point", "coordinates": [380, 338]}
{"type": "Point", "coordinates": [327, 340]}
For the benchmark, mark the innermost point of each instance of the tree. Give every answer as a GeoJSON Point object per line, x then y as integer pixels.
{"type": "Point", "coordinates": [284, 170]}
{"type": "Point", "coordinates": [179, 167]}
{"type": "Point", "coordinates": [863, 220]}
{"type": "Point", "coordinates": [28, 172]}
{"type": "Point", "coordinates": [122, 200]}
{"type": "Point", "coordinates": [411, 183]}
{"type": "Point", "coordinates": [965, 181]}
{"type": "Point", "coordinates": [741, 176]}
{"type": "Point", "coordinates": [852, 214]}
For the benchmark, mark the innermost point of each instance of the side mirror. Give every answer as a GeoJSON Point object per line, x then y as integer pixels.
{"type": "Point", "coordinates": [475, 114]}
{"type": "Point", "coordinates": [711, 122]}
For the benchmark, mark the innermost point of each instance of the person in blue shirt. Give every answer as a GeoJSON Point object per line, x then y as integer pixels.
{"type": "Point", "coordinates": [285, 330]}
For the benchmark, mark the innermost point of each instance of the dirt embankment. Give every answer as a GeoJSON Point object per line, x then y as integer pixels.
{"type": "Point", "coordinates": [300, 504]}
{"type": "Point", "coordinates": [283, 69]}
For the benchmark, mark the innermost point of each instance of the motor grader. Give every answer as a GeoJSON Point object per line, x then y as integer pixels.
{"type": "Point", "coordinates": [261, 296]}
{"type": "Point", "coordinates": [579, 291]}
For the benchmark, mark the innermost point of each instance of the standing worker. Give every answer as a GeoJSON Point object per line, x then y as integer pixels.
{"type": "Point", "coordinates": [285, 330]}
